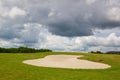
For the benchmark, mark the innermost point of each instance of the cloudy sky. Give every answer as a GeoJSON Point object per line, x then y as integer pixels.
{"type": "Point", "coordinates": [61, 25]}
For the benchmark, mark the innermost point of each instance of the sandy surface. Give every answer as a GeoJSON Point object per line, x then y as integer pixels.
{"type": "Point", "coordinates": [66, 61]}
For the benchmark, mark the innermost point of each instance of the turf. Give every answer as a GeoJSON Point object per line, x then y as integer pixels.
{"type": "Point", "coordinates": [12, 68]}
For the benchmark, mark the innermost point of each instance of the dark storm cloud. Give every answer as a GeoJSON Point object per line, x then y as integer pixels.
{"type": "Point", "coordinates": [70, 29]}
{"type": "Point", "coordinates": [79, 18]}
{"type": "Point", "coordinates": [61, 17]}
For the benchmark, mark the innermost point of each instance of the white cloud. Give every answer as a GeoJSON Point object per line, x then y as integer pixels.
{"type": "Point", "coordinates": [14, 12]}
{"type": "Point", "coordinates": [100, 43]}
{"type": "Point", "coordinates": [82, 43]}
{"type": "Point", "coordinates": [59, 43]}
{"type": "Point", "coordinates": [51, 13]}
{"type": "Point", "coordinates": [114, 14]}
{"type": "Point", "coordinates": [31, 31]}
{"type": "Point", "coordinates": [104, 49]}
{"type": "Point", "coordinates": [4, 43]}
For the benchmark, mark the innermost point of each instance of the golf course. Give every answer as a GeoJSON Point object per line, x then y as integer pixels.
{"type": "Point", "coordinates": [13, 68]}
{"type": "Point", "coordinates": [59, 39]}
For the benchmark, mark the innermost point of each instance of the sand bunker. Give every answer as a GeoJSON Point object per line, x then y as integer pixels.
{"type": "Point", "coordinates": [66, 61]}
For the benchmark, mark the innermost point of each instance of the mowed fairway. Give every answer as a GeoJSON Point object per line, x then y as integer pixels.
{"type": "Point", "coordinates": [12, 68]}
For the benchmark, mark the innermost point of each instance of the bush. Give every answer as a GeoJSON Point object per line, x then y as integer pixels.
{"type": "Point", "coordinates": [113, 52]}
{"type": "Point", "coordinates": [96, 52]}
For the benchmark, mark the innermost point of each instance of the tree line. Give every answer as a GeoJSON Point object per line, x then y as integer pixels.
{"type": "Point", "coordinates": [109, 52]}
{"type": "Point", "coordinates": [23, 50]}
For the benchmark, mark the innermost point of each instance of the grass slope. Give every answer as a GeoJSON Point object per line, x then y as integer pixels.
{"type": "Point", "coordinates": [12, 68]}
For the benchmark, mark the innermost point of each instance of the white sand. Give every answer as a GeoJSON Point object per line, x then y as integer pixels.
{"type": "Point", "coordinates": [66, 61]}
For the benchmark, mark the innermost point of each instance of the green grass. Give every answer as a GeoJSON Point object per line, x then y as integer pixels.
{"type": "Point", "coordinates": [12, 68]}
